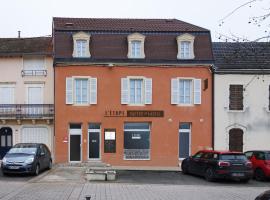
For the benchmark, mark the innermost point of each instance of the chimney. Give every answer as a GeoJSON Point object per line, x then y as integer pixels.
{"type": "Point", "coordinates": [19, 34]}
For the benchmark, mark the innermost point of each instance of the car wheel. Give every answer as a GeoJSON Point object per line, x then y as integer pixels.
{"type": "Point", "coordinates": [184, 167]}
{"type": "Point", "coordinates": [209, 175]}
{"type": "Point", "coordinates": [245, 180]}
{"type": "Point", "coordinates": [259, 175]}
{"type": "Point", "coordinates": [50, 165]}
{"type": "Point", "coordinates": [37, 170]}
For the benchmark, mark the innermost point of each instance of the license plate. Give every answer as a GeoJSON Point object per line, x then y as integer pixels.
{"type": "Point", "coordinates": [238, 174]}
{"type": "Point", "coordinates": [13, 167]}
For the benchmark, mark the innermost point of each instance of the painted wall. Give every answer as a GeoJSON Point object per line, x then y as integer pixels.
{"type": "Point", "coordinates": [254, 120]}
{"type": "Point", "coordinates": [164, 131]}
{"type": "Point", "coordinates": [10, 72]}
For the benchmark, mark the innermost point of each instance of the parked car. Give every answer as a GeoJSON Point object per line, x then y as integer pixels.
{"type": "Point", "coordinates": [264, 196]}
{"type": "Point", "coordinates": [27, 158]}
{"type": "Point", "coordinates": [218, 165]}
{"type": "Point", "coordinates": [261, 164]}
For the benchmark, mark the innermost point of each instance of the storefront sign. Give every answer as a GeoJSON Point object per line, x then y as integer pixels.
{"type": "Point", "coordinates": [144, 113]}
{"type": "Point", "coordinates": [134, 113]}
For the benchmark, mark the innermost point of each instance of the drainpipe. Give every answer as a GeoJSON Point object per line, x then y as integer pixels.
{"type": "Point", "coordinates": [213, 107]}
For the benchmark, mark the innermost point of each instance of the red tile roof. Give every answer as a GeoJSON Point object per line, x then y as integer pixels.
{"type": "Point", "coordinates": [133, 25]}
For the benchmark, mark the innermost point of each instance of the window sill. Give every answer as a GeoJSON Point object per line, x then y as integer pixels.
{"type": "Point", "coordinates": [185, 105]}
{"type": "Point", "coordinates": [81, 105]}
{"type": "Point", "coordinates": [141, 105]}
{"type": "Point", "coordinates": [236, 111]}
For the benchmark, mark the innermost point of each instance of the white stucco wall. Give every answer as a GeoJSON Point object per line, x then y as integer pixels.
{"type": "Point", "coordinates": [254, 120]}
{"type": "Point", "coordinates": [10, 72]}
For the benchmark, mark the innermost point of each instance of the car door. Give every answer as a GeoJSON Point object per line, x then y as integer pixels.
{"type": "Point", "coordinates": [42, 157]}
{"type": "Point", "coordinates": [206, 162]}
{"type": "Point", "coordinates": [47, 156]}
{"type": "Point", "coordinates": [195, 162]}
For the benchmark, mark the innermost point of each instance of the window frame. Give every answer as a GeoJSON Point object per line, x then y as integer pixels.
{"type": "Point", "coordinates": [81, 92]}
{"type": "Point", "coordinates": [185, 38]}
{"type": "Point", "coordinates": [81, 36]}
{"type": "Point", "coordinates": [136, 37]}
{"type": "Point", "coordinates": [190, 92]}
{"type": "Point", "coordinates": [142, 91]}
{"type": "Point", "coordinates": [243, 98]}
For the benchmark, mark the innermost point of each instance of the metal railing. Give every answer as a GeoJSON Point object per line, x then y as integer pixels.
{"type": "Point", "coordinates": [34, 72]}
{"type": "Point", "coordinates": [136, 154]}
{"type": "Point", "coordinates": [28, 111]}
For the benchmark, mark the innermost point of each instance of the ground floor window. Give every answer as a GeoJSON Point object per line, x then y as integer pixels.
{"type": "Point", "coordinates": [184, 140]}
{"type": "Point", "coordinates": [137, 141]}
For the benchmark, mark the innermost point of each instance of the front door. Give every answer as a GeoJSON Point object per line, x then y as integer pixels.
{"type": "Point", "coordinates": [184, 140]}
{"type": "Point", "coordinates": [236, 140]}
{"type": "Point", "coordinates": [5, 140]}
{"type": "Point", "coordinates": [94, 145]}
{"type": "Point", "coordinates": [75, 148]}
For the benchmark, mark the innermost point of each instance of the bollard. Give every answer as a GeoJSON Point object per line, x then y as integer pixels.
{"type": "Point", "coordinates": [87, 197]}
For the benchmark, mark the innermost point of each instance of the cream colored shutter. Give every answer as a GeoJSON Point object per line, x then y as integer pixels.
{"type": "Point", "coordinates": [174, 91]}
{"type": "Point", "coordinates": [197, 91]}
{"type": "Point", "coordinates": [69, 91]}
{"type": "Point", "coordinates": [93, 91]}
{"type": "Point", "coordinates": [148, 91]}
{"type": "Point", "coordinates": [124, 91]}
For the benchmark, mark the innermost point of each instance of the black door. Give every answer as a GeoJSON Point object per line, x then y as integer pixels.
{"type": "Point", "coordinates": [75, 148]}
{"type": "Point", "coordinates": [93, 145]}
{"type": "Point", "coordinates": [236, 140]}
{"type": "Point", "coordinates": [183, 144]}
{"type": "Point", "coordinates": [5, 140]}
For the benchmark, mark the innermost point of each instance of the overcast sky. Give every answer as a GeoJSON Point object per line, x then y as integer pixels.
{"type": "Point", "coordinates": [34, 17]}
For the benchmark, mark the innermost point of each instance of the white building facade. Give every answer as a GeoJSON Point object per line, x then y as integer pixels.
{"type": "Point", "coordinates": [26, 92]}
{"type": "Point", "coordinates": [241, 96]}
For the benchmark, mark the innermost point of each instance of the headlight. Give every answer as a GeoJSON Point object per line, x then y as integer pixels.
{"type": "Point", "coordinates": [4, 161]}
{"type": "Point", "coordinates": [29, 160]}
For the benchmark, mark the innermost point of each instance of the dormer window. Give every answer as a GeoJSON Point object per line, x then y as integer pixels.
{"type": "Point", "coordinates": [136, 46]}
{"type": "Point", "coordinates": [81, 45]}
{"type": "Point", "coordinates": [185, 44]}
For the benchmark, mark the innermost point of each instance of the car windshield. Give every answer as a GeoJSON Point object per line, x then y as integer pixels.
{"type": "Point", "coordinates": [233, 157]}
{"type": "Point", "coordinates": [23, 150]}
{"type": "Point", "coordinates": [267, 156]}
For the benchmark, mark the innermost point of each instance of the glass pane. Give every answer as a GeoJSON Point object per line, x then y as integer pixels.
{"type": "Point", "coordinates": [145, 126]}
{"type": "Point", "coordinates": [9, 141]}
{"type": "Point", "coordinates": [136, 140]}
{"type": "Point", "coordinates": [75, 126]}
{"type": "Point", "coordinates": [3, 140]}
{"type": "Point", "coordinates": [94, 126]}
{"type": "Point", "coordinates": [184, 126]}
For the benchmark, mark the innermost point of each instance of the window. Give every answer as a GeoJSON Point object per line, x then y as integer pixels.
{"type": "Point", "coordinates": [185, 91]}
{"type": "Point", "coordinates": [236, 97]}
{"type": "Point", "coordinates": [136, 46]}
{"type": "Point", "coordinates": [7, 94]}
{"type": "Point", "coordinates": [185, 44]}
{"type": "Point", "coordinates": [137, 141]}
{"type": "Point", "coordinates": [81, 47]}
{"type": "Point", "coordinates": [136, 91]}
{"type": "Point", "coordinates": [81, 90]}
{"type": "Point", "coordinates": [34, 66]}
{"type": "Point", "coordinates": [185, 50]}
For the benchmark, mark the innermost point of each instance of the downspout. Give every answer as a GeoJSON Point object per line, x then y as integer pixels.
{"type": "Point", "coordinates": [213, 107]}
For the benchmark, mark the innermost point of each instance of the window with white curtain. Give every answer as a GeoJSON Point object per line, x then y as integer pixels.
{"type": "Point", "coordinates": [185, 91]}
{"type": "Point", "coordinates": [81, 91]}
{"type": "Point", "coordinates": [185, 49]}
{"type": "Point", "coordinates": [81, 48]}
{"type": "Point", "coordinates": [136, 91]}
{"type": "Point", "coordinates": [136, 49]}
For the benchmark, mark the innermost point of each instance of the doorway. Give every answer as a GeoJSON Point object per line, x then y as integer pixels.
{"type": "Point", "coordinates": [94, 141]}
{"type": "Point", "coordinates": [236, 140]}
{"type": "Point", "coordinates": [5, 141]}
{"type": "Point", "coordinates": [75, 141]}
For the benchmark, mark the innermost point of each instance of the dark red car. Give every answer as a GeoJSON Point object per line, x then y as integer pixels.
{"type": "Point", "coordinates": [218, 165]}
{"type": "Point", "coordinates": [261, 163]}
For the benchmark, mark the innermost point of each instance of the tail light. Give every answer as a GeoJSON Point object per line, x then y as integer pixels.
{"type": "Point", "coordinates": [224, 164]}
{"type": "Point", "coordinates": [249, 164]}
{"type": "Point", "coordinates": [266, 162]}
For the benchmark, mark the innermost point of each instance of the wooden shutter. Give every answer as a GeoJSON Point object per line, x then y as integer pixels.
{"type": "Point", "coordinates": [93, 91]}
{"type": "Point", "coordinates": [124, 91]}
{"type": "Point", "coordinates": [174, 91]}
{"type": "Point", "coordinates": [236, 97]}
{"type": "Point", "coordinates": [69, 91]}
{"type": "Point", "coordinates": [197, 91]}
{"type": "Point", "coordinates": [148, 90]}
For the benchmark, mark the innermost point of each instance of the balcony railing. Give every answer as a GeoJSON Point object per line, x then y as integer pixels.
{"type": "Point", "coordinates": [26, 111]}
{"type": "Point", "coordinates": [34, 72]}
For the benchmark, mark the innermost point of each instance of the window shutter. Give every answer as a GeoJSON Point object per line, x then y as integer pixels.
{"type": "Point", "coordinates": [236, 97]}
{"type": "Point", "coordinates": [148, 91]}
{"type": "Point", "coordinates": [69, 91]}
{"type": "Point", "coordinates": [197, 91]}
{"type": "Point", "coordinates": [124, 91]}
{"type": "Point", "coordinates": [174, 90]}
{"type": "Point", "coordinates": [93, 91]}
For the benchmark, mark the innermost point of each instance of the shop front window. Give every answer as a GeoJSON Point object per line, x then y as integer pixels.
{"type": "Point", "coordinates": [137, 141]}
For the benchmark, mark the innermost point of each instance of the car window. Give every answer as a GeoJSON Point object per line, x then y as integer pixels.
{"type": "Point", "coordinates": [198, 155]}
{"type": "Point", "coordinates": [249, 154]}
{"type": "Point", "coordinates": [42, 150]}
{"type": "Point", "coordinates": [233, 157]}
{"type": "Point", "coordinates": [267, 156]}
{"type": "Point", "coordinates": [259, 156]}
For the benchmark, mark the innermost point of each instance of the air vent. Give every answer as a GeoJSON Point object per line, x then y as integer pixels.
{"type": "Point", "coordinates": [68, 24]}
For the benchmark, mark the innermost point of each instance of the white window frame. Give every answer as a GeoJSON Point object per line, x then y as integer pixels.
{"type": "Point", "coordinates": [132, 38]}
{"type": "Point", "coordinates": [80, 48]}
{"type": "Point", "coordinates": [34, 85]}
{"type": "Point", "coordinates": [142, 91]}
{"type": "Point", "coordinates": [185, 49]}
{"type": "Point", "coordinates": [75, 91]}
{"type": "Point", "coordinates": [184, 131]}
{"type": "Point", "coordinates": [185, 38]}
{"type": "Point", "coordinates": [10, 85]}
{"type": "Point", "coordinates": [190, 94]}
{"type": "Point", "coordinates": [81, 36]}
